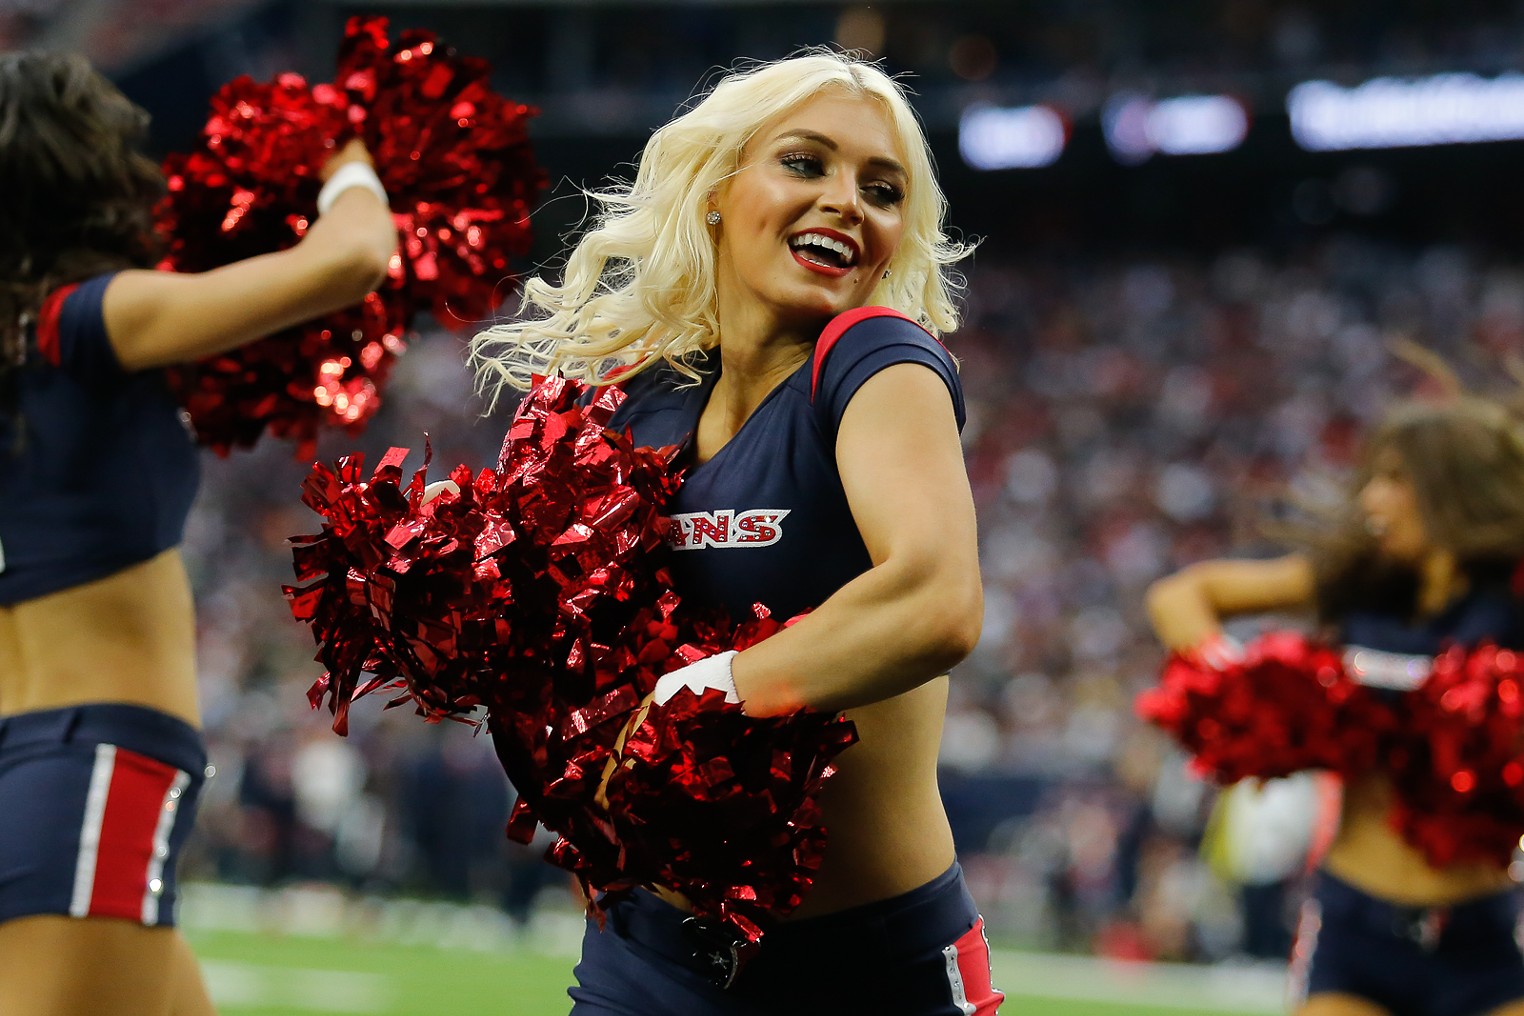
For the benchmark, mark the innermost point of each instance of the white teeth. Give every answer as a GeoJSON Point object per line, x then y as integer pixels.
{"type": "Point", "coordinates": [842, 250]}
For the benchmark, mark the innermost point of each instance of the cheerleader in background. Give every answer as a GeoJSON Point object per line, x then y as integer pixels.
{"type": "Point", "coordinates": [101, 758]}
{"type": "Point", "coordinates": [1423, 559]}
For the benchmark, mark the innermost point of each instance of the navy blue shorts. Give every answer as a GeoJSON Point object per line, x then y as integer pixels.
{"type": "Point", "coordinates": [97, 801]}
{"type": "Point", "coordinates": [1459, 960]}
{"type": "Point", "coordinates": [919, 954]}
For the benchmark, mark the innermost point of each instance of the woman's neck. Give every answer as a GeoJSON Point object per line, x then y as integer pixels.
{"type": "Point", "coordinates": [1440, 581]}
{"type": "Point", "coordinates": [757, 353]}
{"type": "Point", "coordinates": [746, 378]}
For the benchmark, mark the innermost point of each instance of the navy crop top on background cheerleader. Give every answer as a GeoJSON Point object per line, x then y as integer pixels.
{"type": "Point", "coordinates": [1395, 654]}
{"type": "Point", "coordinates": [97, 470]}
{"type": "Point", "coordinates": [1488, 612]}
{"type": "Point", "coordinates": [766, 520]}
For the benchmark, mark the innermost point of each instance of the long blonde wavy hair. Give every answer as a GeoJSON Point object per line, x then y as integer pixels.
{"type": "Point", "coordinates": [639, 286]}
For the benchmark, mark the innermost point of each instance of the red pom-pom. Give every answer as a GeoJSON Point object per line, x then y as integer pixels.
{"type": "Point", "coordinates": [723, 808]}
{"type": "Point", "coordinates": [1287, 705]}
{"type": "Point", "coordinates": [461, 178]}
{"type": "Point", "coordinates": [1459, 771]}
{"type": "Point", "coordinates": [472, 598]}
{"type": "Point", "coordinates": [455, 159]}
{"type": "Point", "coordinates": [1453, 747]}
{"type": "Point", "coordinates": [541, 593]}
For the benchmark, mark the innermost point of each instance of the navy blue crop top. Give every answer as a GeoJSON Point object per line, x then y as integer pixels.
{"type": "Point", "coordinates": [102, 472]}
{"type": "Point", "coordinates": [1489, 612]}
{"type": "Point", "coordinates": [766, 520]}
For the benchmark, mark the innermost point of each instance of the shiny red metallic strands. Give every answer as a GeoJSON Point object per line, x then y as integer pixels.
{"type": "Point", "coordinates": [466, 600]}
{"type": "Point", "coordinates": [1459, 771]}
{"type": "Point", "coordinates": [1287, 705]}
{"type": "Point", "coordinates": [723, 807]}
{"type": "Point", "coordinates": [540, 593]}
{"type": "Point", "coordinates": [459, 171]}
{"type": "Point", "coordinates": [1453, 747]}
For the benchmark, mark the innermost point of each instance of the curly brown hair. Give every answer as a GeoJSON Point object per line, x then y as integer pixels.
{"type": "Point", "coordinates": [1464, 456]}
{"type": "Point", "coordinates": [79, 193]}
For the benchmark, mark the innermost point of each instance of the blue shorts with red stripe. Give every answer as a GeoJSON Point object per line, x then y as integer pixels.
{"type": "Point", "coordinates": [1457, 960]}
{"type": "Point", "coordinates": [97, 802]}
{"type": "Point", "coordinates": [919, 954]}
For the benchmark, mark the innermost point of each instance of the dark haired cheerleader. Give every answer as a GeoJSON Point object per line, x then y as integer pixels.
{"type": "Point", "coordinates": [101, 759]}
{"type": "Point", "coordinates": [1423, 560]}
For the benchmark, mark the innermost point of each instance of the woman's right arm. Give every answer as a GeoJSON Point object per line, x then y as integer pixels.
{"type": "Point", "coordinates": [1187, 608]}
{"type": "Point", "coordinates": [155, 319]}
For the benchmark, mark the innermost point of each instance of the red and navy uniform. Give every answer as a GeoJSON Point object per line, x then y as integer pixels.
{"type": "Point", "coordinates": [97, 466]}
{"type": "Point", "coordinates": [1462, 959]}
{"type": "Point", "coordinates": [99, 473]}
{"type": "Point", "coordinates": [766, 521]}
{"type": "Point", "coordinates": [98, 801]}
{"type": "Point", "coordinates": [922, 953]}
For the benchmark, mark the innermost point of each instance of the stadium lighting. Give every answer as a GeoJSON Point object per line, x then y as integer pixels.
{"type": "Point", "coordinates": [1006, 137]}
{"type": "Point", "coordinates": [1444, 109]}
{"type": "Point", "coordinates": [1136, 127]}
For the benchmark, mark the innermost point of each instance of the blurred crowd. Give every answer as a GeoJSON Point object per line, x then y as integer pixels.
{"type": "Point", "coordinates": [1126, 418]}
{"type": "Point", "coordinates": [592, 66]}
{"type": "Point", "coordinates": [114, 35]}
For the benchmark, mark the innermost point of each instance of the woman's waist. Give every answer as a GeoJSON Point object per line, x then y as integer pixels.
{"type": "Point", "coordinates": [886, 834]}
{"type": "Point", "coordinates": [1480, 915]}
{"type": "Point", "coordinates": [869, 858]}
{"type": "Point", "coordinates": [129, 637]}
{"type": "Point", "coordinates": [915, 910]}
{"type": "Point", "coordinates": [1373, 857]}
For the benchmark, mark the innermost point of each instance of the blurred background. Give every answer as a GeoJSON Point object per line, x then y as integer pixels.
{"type": "Point", "coordinates": [1201, 226]}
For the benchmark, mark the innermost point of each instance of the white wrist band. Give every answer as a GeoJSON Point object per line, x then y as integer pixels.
{"type": "Point", "coordinates": [710, 672]}
{"type": "Point", "coordinates": [351, 174]}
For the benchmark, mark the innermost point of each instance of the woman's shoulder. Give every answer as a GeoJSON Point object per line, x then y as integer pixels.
{"type": "Point", "coordinates": [857, 344]}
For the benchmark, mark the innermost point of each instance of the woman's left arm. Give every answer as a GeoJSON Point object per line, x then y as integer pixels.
{"type": "Point", "coordinates": [919, 608]}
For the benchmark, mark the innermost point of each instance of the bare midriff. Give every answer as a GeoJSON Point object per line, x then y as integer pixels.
{"type": "Point", "coordinates": [1371, 855]}
{"type": "Point", "coordinates": [887, 832]}
{"type": "Point", "coordinates": [129, 637]}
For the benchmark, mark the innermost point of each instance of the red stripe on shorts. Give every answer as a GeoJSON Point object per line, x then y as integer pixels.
{"type": "Point", "coordinates": [141, 800]}
{"type": "Point", "coordinates": [968, 973]}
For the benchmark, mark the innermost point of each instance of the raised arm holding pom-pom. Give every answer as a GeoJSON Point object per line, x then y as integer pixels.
{"type": "Point", "coordinates": [156, 319]}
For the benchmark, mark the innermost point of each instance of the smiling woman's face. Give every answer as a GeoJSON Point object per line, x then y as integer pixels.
{"type": "Point", "coordinates": [813, 216]}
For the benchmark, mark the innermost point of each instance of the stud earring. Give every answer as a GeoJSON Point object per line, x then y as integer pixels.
{"type": "Point", "coordinates": [888, 272]}
{"type": "Point", "coordinates": [713, 218]}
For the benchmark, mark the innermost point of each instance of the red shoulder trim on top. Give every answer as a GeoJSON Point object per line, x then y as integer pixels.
{"type": "Point", "coordinates": [838, 327]}
{"type": "Point", "coordinates": [47, 324]}
{"type": "Point", "coordinates": [613, 376]}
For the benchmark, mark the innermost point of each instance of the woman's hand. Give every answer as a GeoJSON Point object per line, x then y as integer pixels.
{"type": "Point", "coordinates": [712, 672]}
{"type": "Point", "coordinates": [155, 319]}
{"type": "Point", "coordinates": [438, 487]}
{"type": "Point", "coordinates": [617, 759]}
{"type": "Point", "coordinates": [353, 151]}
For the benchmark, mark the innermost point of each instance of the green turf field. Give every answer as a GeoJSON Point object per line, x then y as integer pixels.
{"type": "Point", "coordinates": [267, 974]}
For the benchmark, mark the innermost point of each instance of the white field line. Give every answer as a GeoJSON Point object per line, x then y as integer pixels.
{"type": "Point", "coordinates": [246, 985]}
